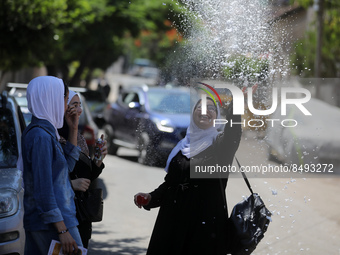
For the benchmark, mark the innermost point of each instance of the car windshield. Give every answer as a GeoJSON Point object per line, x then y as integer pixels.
{"type": "Point", "coordinates": [8, 141]}
{"type": "Point", "coordinates": [169, 102]}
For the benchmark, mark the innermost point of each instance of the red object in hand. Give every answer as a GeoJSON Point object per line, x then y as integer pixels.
{"type": "Point", "coordinates": [141, 200]}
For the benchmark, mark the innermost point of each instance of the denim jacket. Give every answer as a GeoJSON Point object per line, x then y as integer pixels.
{"type": "Point", "coordinates": [48, 195]}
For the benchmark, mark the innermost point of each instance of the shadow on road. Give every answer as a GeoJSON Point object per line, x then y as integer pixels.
{"type": "Point", "coordinates": [120, 246]}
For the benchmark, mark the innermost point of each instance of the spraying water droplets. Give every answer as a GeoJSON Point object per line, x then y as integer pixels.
{"type": "Point", "coordinates": [226, 39]}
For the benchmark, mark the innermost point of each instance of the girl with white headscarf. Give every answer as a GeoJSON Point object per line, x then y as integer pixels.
{"type": "Point", "coordinates": [45, 99]}
{"type": "Point", "coordinates": [86, 169]}
{"type": "Point", "coordinates": [50, 212]}
{"type": "Point", "coordinates": [191, 218]}
{"type": "Point", "coordinates": [196, 139]}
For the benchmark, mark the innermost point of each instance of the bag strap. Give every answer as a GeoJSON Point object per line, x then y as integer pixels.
{"type": "Point", "coordinates": [244, 177]}
{"type": "Point", "coordinates": [86, 159]}
{"type": "Point", "coordinates": [224, 199]}
{"type": "Point", "coordinates": [223, 191]}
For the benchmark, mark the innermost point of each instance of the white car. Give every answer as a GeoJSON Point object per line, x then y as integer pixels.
{"type": "Point", "coordinates": [313, 139]}
{"type": "Point", "coordinates": [12, 235]}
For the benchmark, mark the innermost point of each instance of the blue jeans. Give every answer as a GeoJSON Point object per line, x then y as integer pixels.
{"type": "Point", "coordinates": [38, 242]}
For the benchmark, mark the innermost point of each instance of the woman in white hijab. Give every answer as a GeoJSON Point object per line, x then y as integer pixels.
{"type": "Point", "coordinates": [191, 218]}
{"type": "Point", "coordinates": [50, 212]}
{"type": "Point", "coordinates": [85, 171]}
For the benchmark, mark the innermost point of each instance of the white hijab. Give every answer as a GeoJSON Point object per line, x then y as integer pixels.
{"type": "Point", "coordinates": [196, 140]}
{"type": "Point", "coordinates": [71, 94]}
{"type": "Point", "coordinates": [45, 97]}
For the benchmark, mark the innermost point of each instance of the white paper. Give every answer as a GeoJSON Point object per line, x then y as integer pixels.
{"type": "Point", "coordinates": [55, 249]}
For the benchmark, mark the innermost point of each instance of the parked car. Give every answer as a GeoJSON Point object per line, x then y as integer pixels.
{"type": "Point", "coordinates": [12, 124]}
{"type": "Point", "coordinates": [150, 72]}
{"type": "Point", "coordinates": [96, 101]}
{"type": "Point", "coordinates": [18, 91]}
{"type": "Point", "coordinates": [149, 119]}
{"type": "Point", "coordinates": [314, 139]}
{"type": "Point", "coordinates": [87, 126]}
{"type": "Point", "coordinates": [144, 68]}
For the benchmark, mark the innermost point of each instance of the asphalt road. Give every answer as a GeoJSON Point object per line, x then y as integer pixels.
{"type": "Point", "coordinates": [306, 218]}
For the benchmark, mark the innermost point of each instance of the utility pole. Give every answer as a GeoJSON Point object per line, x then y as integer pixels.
{"type": "Point", "coordinates": [319, 8]}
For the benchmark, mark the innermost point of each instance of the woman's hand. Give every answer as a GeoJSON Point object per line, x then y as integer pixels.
{"type": "Point", "coordinates": [80, 184]}
{"type": "Point", "coordinates": [142, 199]}
{"type": "Point", "coordinates": [68, 245]}
{"type": "Point", "coordinates": [103, 151]}
{"type": "Point", "coordinates": [72, 117]}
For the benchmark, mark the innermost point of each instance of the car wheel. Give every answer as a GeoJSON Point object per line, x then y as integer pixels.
{"type": "Point", "coordinates": [146, 153]}
{"type": "Point", "coordinates": [111, 147]}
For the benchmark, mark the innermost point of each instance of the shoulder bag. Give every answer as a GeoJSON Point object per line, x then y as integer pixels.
{"type": "Point", "coordinates": [90, 203]}
{"type": "Point", "coordinates": [248, 221]}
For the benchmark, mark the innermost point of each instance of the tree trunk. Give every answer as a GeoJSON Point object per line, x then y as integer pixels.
{"type": "Point", "coordinates": [318, 58]}
{"type": "Point", "coordinates": [2, 75]}
{"type": "Point", "coordinates": [84, 62]}
{"type": "Point", "coordinates": [65, 73]}
{"type": "Point", "coordinates": [88, 77]}
{"type": "Point", "coordinates": [51, 70]}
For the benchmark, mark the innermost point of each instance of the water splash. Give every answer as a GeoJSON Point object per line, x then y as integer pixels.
{"type": "Point", "coordinates": [234, 39]}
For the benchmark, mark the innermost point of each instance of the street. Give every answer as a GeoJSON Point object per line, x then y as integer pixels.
{"type": "Point", "coordinates": [306, 217]}
{"type": "Point", "coordinates": [139, 73]}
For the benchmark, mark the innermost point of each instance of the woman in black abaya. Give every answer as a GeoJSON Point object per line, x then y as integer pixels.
{"type": "Point", "coordinates": [192, 218]}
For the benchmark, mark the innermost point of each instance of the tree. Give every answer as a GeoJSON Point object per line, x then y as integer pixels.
{"type": "Point", "coordinates": [61, 32]}
{"type": "Point", "coordinates": [158, 34]}
{"type": "Point", "coordinates": [305, 55]}
{"type": "Point", "coordinates": [25, 26]}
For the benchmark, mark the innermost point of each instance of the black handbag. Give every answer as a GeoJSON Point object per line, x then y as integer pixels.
{"type": "Point", "coordinates": [89, 205]}
{"type": "Point", "coordinates": [248, 221]}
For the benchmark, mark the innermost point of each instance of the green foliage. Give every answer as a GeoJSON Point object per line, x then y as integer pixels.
{"type": "Point", "coordinates": [249, 68]}
{"type": "Point", "coordinates": [61, 32]}
{"type": "Point", "coordinates": [157, 34]}
{"type": "Point", "coordinates": [303, 3]}
{"type": "Point", "coordinates": [24, 26]}
{"type": "Point", "coordinates": [331, 45]}
{"type": "Point", "coordinates": [329, 4]}
{"type": "Point", "coordinates": [302, 61]}
{"type": "Point", "coordinates": [304, 57]}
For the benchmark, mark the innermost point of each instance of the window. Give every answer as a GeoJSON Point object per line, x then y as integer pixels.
{"type": "Point", "coordinates": [130, 97]}
{"type": "Point", "coordinates": [171, 103]}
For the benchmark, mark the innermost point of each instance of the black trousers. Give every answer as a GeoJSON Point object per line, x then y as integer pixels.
{"type": "Point", "coordinates": [85, 230]}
